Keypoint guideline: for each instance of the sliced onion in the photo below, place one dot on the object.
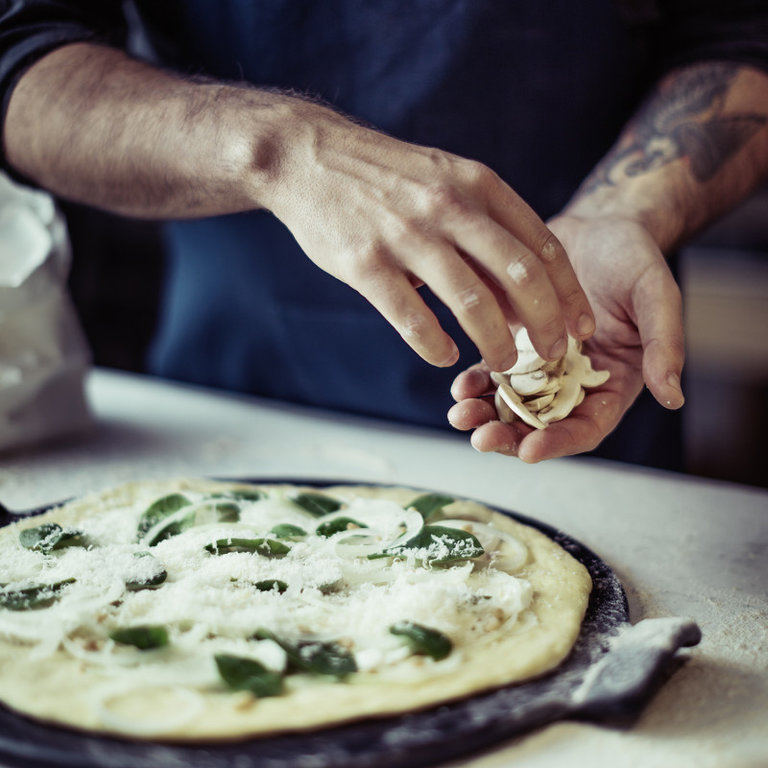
(190, 704)
(106, 657)
(360, 542)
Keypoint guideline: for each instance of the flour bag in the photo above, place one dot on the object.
(43, 353)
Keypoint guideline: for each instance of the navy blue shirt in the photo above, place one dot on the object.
(536, 90)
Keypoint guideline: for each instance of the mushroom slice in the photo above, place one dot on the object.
(549, 392)
(593, 378)
(514, 402)
(528, 359)
(564, 402)
(506, 414)
(537, 403)
(529, 383)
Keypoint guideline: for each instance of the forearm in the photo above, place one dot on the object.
(93, 125)
(696, 148)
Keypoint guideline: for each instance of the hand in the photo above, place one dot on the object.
(639, 338)
(387, 217)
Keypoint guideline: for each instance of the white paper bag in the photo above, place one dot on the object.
(43, 353)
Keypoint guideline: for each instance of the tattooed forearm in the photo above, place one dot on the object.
(684, 120)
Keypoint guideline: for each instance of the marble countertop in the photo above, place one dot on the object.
(681, 546)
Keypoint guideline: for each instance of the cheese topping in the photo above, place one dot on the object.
(222, 575)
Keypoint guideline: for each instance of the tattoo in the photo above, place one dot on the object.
(685, 120)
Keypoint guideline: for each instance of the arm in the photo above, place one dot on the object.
(92, 124)
(697, 147)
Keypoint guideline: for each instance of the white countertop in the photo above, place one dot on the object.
(681, 546)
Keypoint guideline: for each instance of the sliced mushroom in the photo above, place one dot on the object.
(540, 392)
(529, 383)
(512, 402)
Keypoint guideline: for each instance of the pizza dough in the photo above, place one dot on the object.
(142, 611)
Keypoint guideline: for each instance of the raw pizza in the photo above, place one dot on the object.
(200, 610)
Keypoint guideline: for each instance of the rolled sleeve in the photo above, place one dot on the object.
(29, 29)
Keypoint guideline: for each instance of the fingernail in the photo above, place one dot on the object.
(585, 325)
(558, 349)
(673, 381)
(451, 359)
(508, 362)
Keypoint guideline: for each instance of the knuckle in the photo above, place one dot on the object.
(571, 295)
(550, 249)
(477, 174)
(368, 260)
(550, 327)
(521, 272)
(676, 346)
(414, 328)
(443, 198)
(472, 298)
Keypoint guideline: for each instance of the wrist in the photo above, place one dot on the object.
(288, 137)
(663, 220)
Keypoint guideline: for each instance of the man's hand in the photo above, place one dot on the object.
(382, 215)
(639, 338)
(386, 217)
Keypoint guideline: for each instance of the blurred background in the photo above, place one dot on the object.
(117, 273)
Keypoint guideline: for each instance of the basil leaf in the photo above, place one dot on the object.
(158, 511)
(204, 514)
(429, 504)
(314, 657)
(144, 637)
(423, 640)
(151, 582)
(49, 536)
(337, 524)
(440, 545)
(34, 597)
(268, 585)
(241, 494)
(220, 512)
(248, 675)
(266, 547)
(317, 504)
(288, 531)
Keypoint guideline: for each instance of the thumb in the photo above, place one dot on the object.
(658, 309)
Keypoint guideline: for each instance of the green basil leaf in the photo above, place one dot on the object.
(314, 657)
(430, 504)
(158, 511)
(248, 675)
(34, 597)
(260, 546)
(423, 640)
(241, 494)
(337, 524)
(203, 514)
(440, 545)
(268, 585)
(220, 512)
(288, 531)
(151, 582)
(49, 536)
(317, 504)
(144, 637)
